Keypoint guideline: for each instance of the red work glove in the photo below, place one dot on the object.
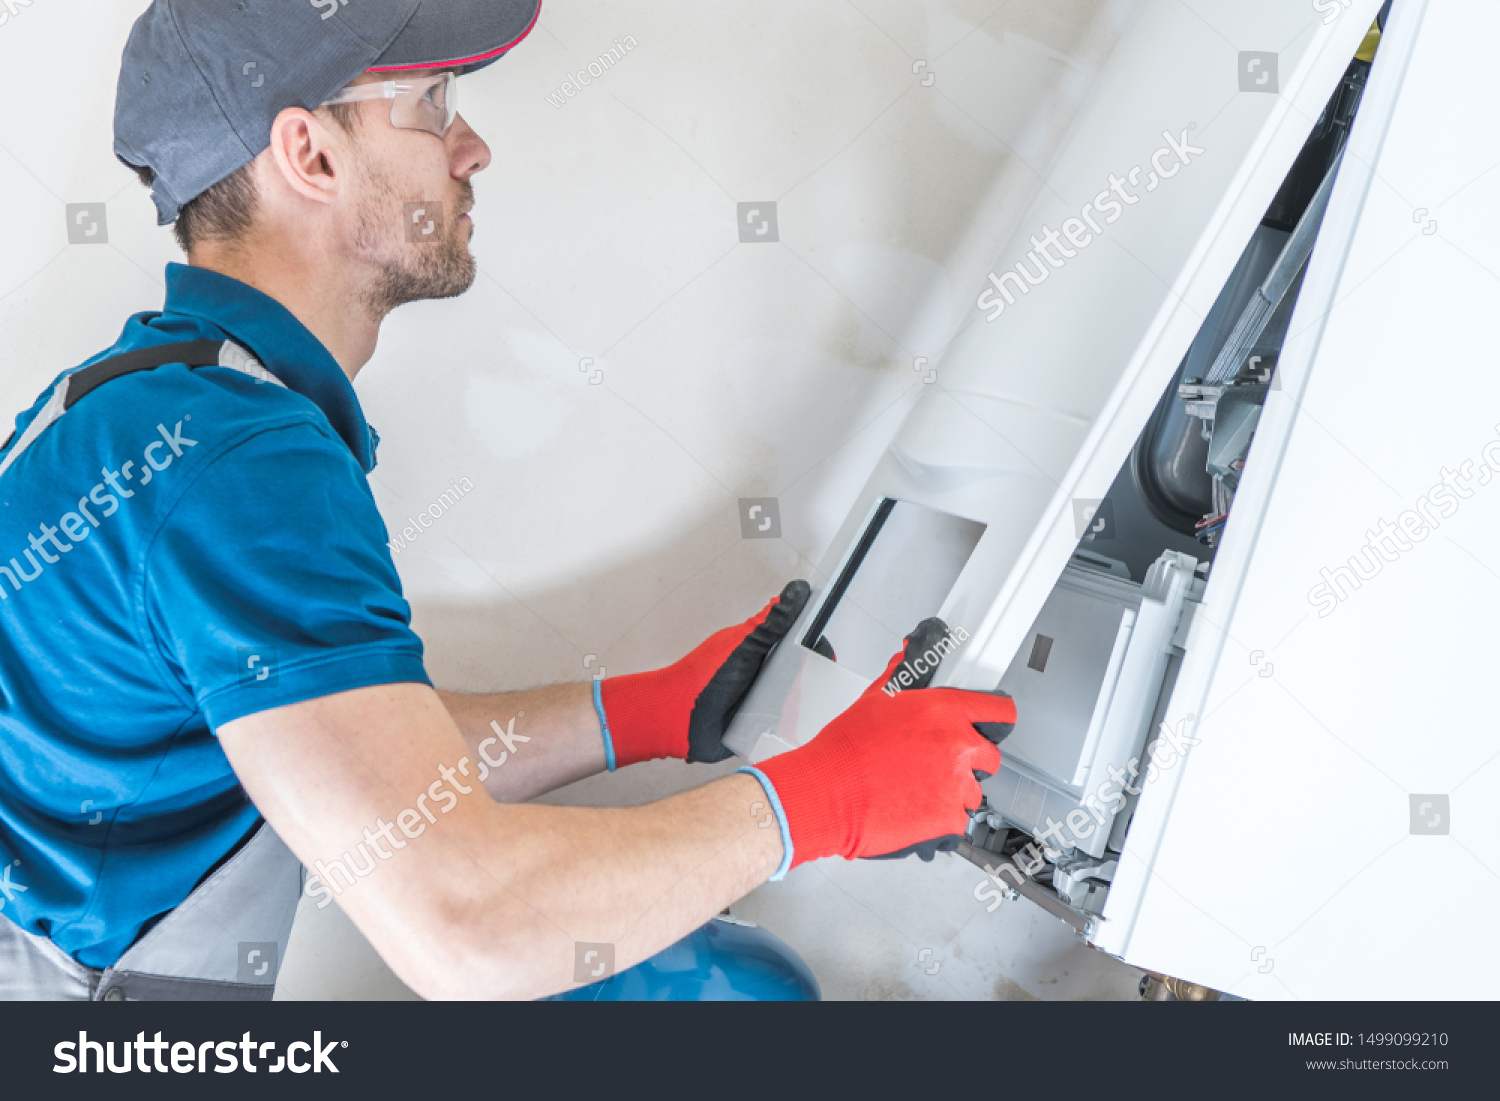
(894, 774)
(683, 710)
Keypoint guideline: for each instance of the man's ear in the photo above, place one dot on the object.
(306, 157)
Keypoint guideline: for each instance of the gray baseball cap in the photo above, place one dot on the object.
(202, 80)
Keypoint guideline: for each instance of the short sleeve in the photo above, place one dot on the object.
(270, 582)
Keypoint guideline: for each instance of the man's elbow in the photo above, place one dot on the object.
(475, 957)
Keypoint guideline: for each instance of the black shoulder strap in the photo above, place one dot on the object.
(195, 353)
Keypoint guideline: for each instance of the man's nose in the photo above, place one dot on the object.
(469, 152)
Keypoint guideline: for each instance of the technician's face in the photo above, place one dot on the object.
(395, 167)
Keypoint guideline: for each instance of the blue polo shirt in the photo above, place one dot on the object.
(181, 549)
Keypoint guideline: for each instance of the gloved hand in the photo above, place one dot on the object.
(683, 710)
(895, 773)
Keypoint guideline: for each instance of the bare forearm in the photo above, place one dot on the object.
(466, 896)
(543, 738)
(543, 880)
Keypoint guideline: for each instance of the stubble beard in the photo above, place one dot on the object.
(405, 270)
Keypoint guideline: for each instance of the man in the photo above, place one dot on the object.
(206, 657)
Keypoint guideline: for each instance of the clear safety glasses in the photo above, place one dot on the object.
(428, 103)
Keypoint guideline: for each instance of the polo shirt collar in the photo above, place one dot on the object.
(283, 345)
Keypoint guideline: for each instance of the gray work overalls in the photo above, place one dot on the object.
(198, 952)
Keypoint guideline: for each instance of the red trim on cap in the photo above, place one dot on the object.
(456, 62)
